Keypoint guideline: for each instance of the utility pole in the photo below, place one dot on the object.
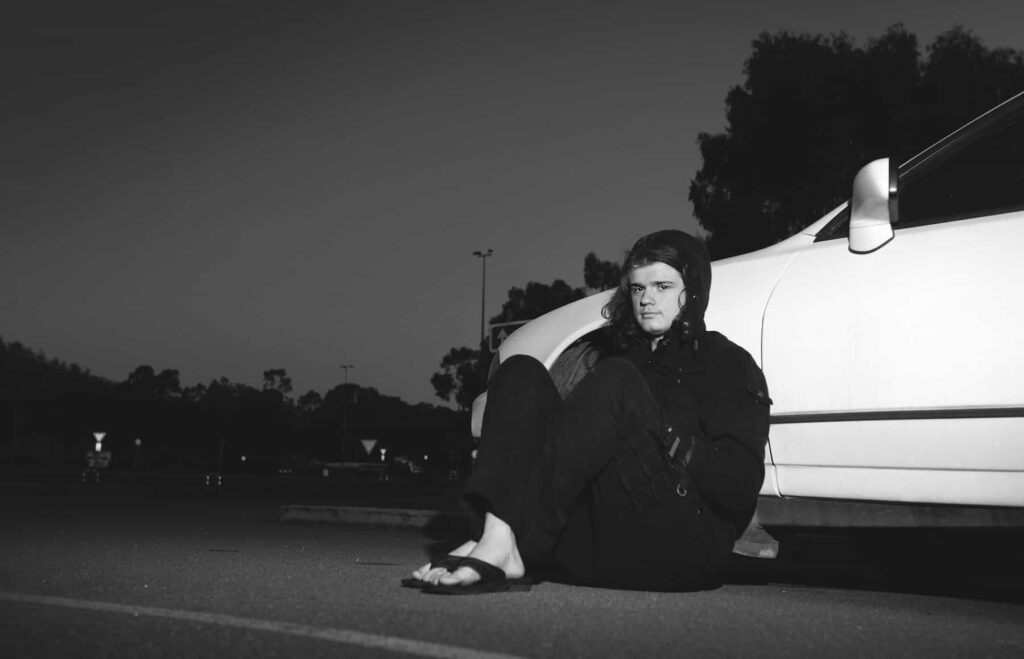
(483, 288)
(344, 411)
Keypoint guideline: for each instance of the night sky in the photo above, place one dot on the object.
(227, 187)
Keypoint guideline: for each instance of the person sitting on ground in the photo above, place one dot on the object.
(645, 474)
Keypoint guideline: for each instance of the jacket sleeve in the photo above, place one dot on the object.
(727, 464)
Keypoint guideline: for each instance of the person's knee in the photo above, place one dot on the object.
(518, 370)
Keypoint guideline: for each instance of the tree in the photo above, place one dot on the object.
(536, 300)
(144, 380)
(195, 393)
(276, 379)
(460, 377)
(310, 402)
(600, 275)
(813, 109)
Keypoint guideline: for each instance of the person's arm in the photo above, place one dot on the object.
(727, 465)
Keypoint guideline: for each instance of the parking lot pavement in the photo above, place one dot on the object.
(102, 573)
(432, 507)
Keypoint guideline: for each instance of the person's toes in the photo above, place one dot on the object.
(436, 577)
(463, 576)
(422, 571)
(430, 573)
(436, 574)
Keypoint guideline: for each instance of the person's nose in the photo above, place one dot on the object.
(645, 299)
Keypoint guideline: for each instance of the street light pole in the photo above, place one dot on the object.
(483, 288)
(344, 411)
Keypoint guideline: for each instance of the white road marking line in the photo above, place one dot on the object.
(393, 643)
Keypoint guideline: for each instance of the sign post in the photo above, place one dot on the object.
(96, 459)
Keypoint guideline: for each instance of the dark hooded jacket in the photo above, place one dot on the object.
(715, 407)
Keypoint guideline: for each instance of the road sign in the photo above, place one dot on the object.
(368, 445)
(98, 459)
(501, 331)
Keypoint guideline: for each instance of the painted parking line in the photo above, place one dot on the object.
(344, 636)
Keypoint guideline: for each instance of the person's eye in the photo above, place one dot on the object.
(636, 289)
(664, 287)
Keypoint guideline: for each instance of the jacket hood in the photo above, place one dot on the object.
(697, 278)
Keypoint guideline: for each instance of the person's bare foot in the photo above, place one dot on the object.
(430, 574)
(496, 546)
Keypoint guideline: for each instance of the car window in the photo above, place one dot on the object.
(983, 178)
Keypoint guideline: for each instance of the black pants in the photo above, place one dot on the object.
(583, 483)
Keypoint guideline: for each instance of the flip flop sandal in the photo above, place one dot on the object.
(492, 580)
(448, 562)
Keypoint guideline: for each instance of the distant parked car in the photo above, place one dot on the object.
(407, 463)
(891, 333)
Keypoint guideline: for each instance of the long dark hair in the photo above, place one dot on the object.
(689, 257)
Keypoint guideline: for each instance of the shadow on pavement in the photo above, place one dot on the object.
(981, 565)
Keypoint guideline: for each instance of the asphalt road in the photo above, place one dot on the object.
(91, 574)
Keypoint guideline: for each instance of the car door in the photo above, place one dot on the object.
(898, 375)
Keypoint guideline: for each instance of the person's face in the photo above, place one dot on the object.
(659, 294)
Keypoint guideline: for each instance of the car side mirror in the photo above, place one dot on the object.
(873, 207)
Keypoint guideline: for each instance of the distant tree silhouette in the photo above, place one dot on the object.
(536, 300)
(194, 393)
(49, 409)
(276, 379)
(165, 384)
(461, 378)
(309, 402)
(600, 275)
(813, 109)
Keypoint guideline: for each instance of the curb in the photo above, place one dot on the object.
(392, 517)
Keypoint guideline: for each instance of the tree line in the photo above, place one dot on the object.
(51, 409)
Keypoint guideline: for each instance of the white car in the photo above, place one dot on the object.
(891, 333)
